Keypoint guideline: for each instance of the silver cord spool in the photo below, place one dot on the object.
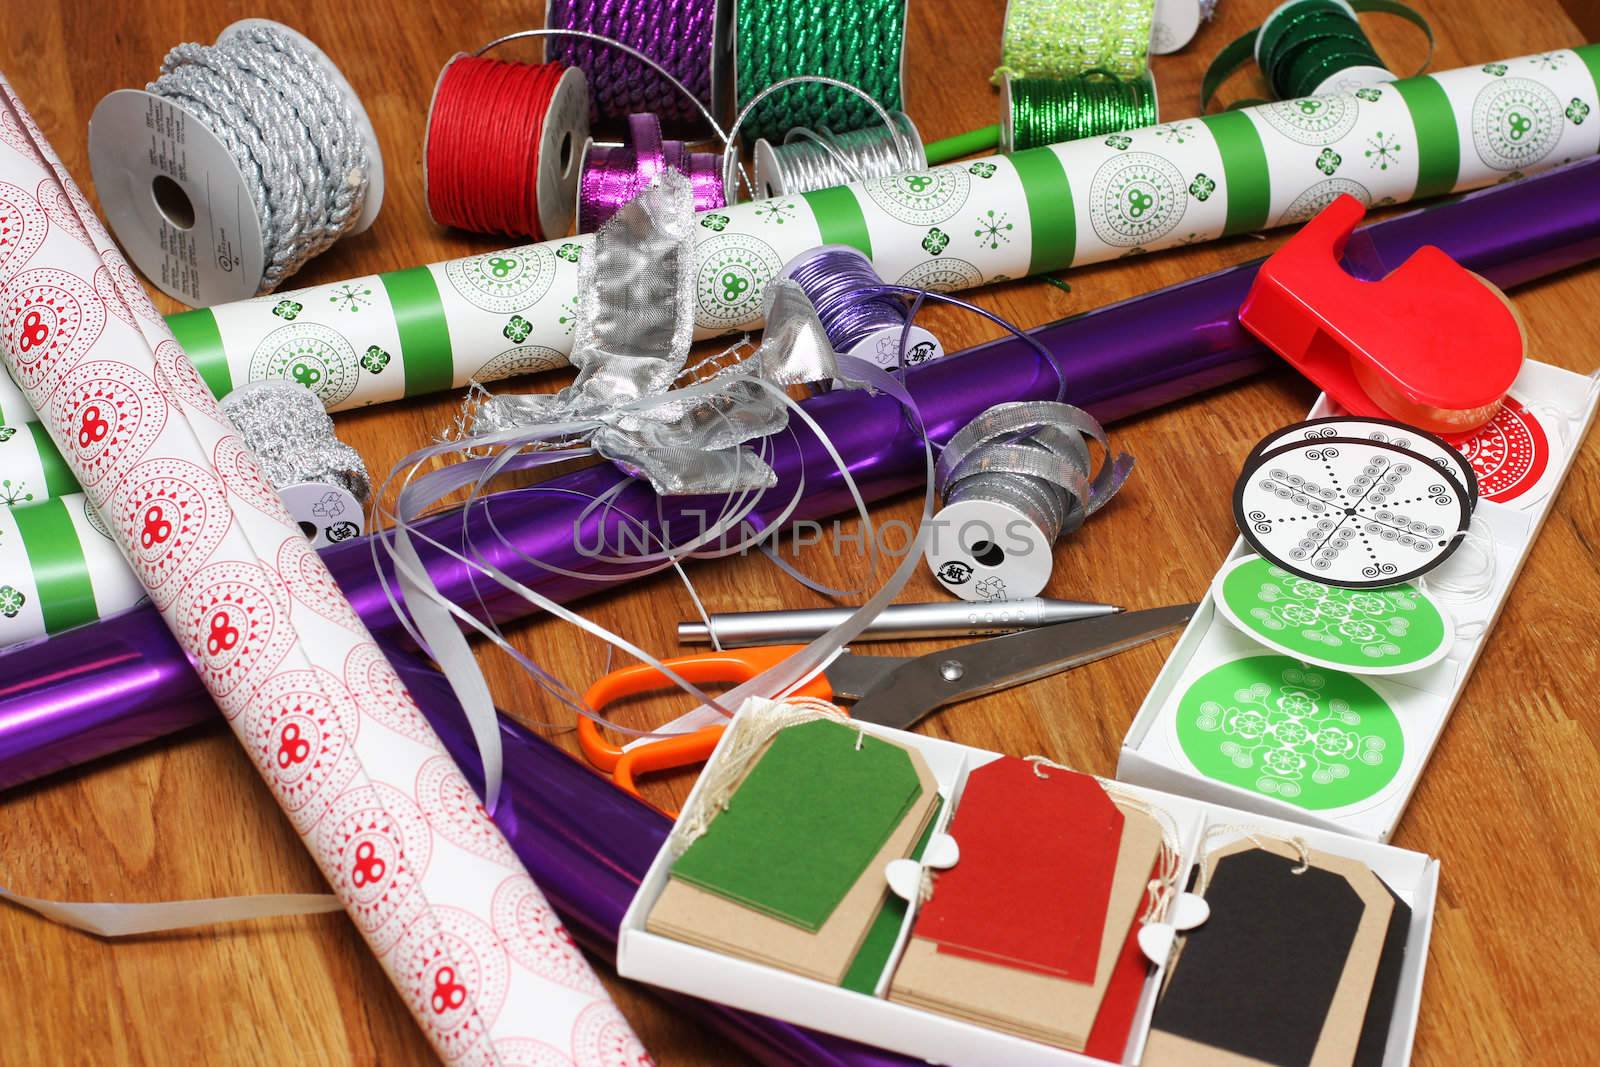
(808, 160)
(323, 481)
(1014, 481)
(240, 162)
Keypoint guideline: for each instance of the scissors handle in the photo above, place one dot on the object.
(732, 665)
(664, 755)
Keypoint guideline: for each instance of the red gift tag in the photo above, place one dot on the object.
(1038, 854)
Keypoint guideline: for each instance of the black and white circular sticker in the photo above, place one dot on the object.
(1388, 431)
(1351, 512)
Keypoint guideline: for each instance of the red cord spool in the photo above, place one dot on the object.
(501, 154)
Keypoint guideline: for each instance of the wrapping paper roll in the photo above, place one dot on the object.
(415, 331)
(463, 932)
(59, 568)
(1118, 361)
(31, 467)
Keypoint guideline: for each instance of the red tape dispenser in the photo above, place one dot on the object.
(1431, 344)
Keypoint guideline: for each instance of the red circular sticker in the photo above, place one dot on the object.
(52, 319)
(602, 1038)
(173, 516)
(1509, 455)
(537, 939)
(109, 414)
(22, 227)
(375, 850)
(456, 975)
(235, 625)
(456, 814)
(300, 727)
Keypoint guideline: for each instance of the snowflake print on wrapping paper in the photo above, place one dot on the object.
(775, 212)
(981, 170)
(1577, 111)
(1369, 94)
(936, 241)
(1175, 132)
(1119, 141)
(11, 601)
(1202, 187)
(993, 229)
(1329, 161)
(12, 495)
(569, 315)
(1336, 617)
(1382, 150)
(1292, 734)
(1550, 60)
(347, 296)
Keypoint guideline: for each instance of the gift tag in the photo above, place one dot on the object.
(1510, 455)
(805, 822)
(1038, 853)
(1354, 513)
(1364, 631)
(1385, 431)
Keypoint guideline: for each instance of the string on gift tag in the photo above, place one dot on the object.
(289, 125)
(1458, 581)
(1311, 48)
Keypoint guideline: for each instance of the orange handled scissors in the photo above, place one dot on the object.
(896, 691)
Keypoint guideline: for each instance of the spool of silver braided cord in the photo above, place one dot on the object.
(1014, 481)
(808, 160)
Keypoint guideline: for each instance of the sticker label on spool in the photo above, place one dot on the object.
(982, 551)
(327, 513)
(882, 347)
(175, 199)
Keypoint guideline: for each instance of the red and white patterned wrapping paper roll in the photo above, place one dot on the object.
(465, 935)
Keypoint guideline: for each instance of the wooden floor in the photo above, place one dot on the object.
(1508, 802)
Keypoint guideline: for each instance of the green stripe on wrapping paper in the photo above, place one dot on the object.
(840, 220)
(424, 335)
(58, 477)
(1247, 182)
(1590, 54)
(66, 596)
(1051, 218)
(1438, 142)
(197, 332)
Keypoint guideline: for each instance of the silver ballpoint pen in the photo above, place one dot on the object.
(953, 618)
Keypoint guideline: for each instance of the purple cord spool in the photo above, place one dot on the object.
(615, 174)
(870, 325)
(681, 35)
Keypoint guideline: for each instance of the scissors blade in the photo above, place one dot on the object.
(906, 694)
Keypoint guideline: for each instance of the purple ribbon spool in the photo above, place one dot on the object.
(615, 174)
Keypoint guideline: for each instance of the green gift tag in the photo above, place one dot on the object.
(1365, 631)
(804, 823)
(1316, 739)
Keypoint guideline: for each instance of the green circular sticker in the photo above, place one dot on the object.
(1312, 738)
(1366, 631)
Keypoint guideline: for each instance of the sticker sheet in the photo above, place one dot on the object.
(465, 936)
(380, 337)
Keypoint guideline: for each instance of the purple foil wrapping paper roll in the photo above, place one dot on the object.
(1119, 361)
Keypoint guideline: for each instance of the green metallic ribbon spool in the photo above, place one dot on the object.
(855, 41)
(1067, 38)
(1303, 43)
(1041, 111)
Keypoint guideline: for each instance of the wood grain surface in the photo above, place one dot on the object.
(1508, 801)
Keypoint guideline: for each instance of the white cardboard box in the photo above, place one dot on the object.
(1423, 700)
(941, 1040)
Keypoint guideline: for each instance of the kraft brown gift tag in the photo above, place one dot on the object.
(1023, 1001)
(1282, 973)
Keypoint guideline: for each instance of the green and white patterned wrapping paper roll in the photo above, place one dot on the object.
(58, 569)
(31, 467)
(492, 316)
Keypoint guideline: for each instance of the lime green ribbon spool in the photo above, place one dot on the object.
(854, 41)
(1304, 43)
(1067, 38)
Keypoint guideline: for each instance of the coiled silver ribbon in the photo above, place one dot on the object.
(286, 426)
